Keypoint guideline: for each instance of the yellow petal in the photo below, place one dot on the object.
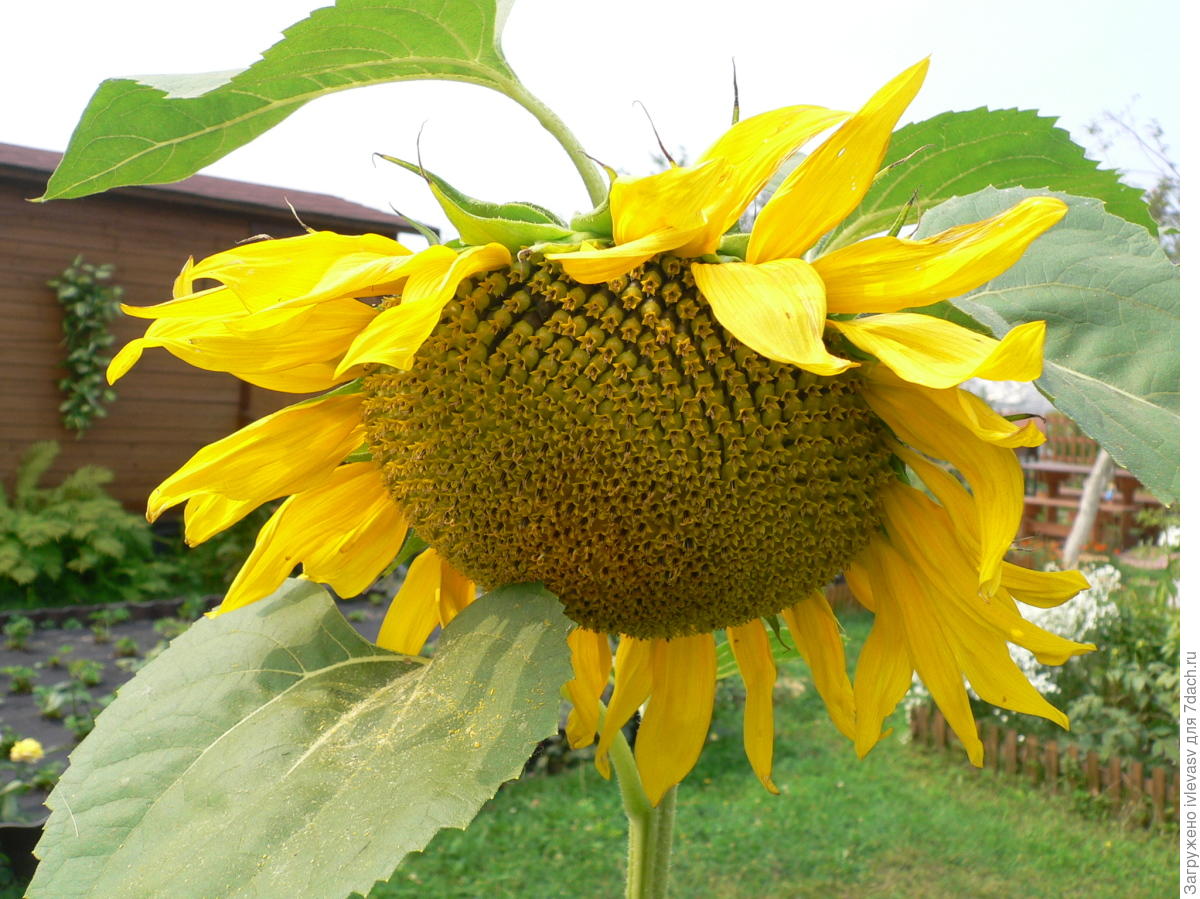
(678, 198)
(1045, 589)
(413, 612)
(675, 726)
(814, 627)
(832, 181)
(344, 532)
(285, 452)
(631, 686)
(394, 337)
(927, 537)
(591, 660)
(887, 274)
(311, 268)
(296, 347)
(595, 266)
(752, 650)
(884, 671)
(936, 353)
(456, 593)
(939, 425)
(978, 630)
(928, 647)
(754, 148)
(777, 309)
(207, 514)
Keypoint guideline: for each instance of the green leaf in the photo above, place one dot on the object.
(957, 153)
(514, 225)
(157, 129)
(274, 752)
(1110, 299)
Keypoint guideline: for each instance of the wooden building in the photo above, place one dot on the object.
(165, 410)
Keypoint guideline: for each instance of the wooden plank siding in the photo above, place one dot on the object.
(165, 409)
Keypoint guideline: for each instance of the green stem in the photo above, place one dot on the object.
(592, 179)
(650, 828)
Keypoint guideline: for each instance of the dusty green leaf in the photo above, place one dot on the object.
(162, 128)
(957, 153)
(1110, 298)
(274, 752)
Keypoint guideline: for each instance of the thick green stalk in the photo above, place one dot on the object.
(650, 828)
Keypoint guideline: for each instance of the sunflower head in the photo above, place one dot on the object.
(616, 443)
(678, 429)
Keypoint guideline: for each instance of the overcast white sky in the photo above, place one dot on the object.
(590, 61)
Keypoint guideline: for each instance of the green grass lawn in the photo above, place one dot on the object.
(903, 822)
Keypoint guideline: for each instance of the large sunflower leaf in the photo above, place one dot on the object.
(957, 153)
(162, 128)
(274, 752)
(1110, 299)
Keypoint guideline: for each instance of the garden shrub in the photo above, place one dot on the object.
(73, 543)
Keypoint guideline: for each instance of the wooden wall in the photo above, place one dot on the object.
(165, 410)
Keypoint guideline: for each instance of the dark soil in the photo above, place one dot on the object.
(20, 716)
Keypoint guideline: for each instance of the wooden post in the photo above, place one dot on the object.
(1052, 766)
(1091, 772)
(1114, 778)
(939, 729)
(1135, 781)
(921, 724)
(1158, 793)
(991, 746)
(1010, 751)
(1032, 761)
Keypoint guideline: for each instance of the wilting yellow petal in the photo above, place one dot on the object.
(929, 648)
(934, 422)
(754, 148)
(631, 686)
(299, 344)
(977, 629)
(814, 627)
(1044, 589)
(413, 612)
(884, 671)
(311, 268)
(832, 181)
(591, 660)
(777, 309)
(936, 353)
(887, 274)
(595, 266)
(394, 337)
(285, 452)
(343, 532)
(678, 199)
(675, 726)
(752, 650)
(207, 514)
(456, 593)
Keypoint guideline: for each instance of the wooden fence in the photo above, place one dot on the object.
(1127, 787)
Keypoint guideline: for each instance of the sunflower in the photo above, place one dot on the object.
(680, 431)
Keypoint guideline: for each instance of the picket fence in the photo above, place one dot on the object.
(1126, 787)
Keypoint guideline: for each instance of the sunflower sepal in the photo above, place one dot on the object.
(733, 246)
(514, 224)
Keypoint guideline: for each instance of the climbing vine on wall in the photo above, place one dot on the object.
(90, 301)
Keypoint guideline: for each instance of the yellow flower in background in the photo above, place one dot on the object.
(677, 437)
(28, 750)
